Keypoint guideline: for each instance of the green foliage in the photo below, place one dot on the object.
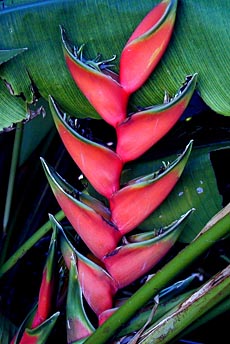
(34, 26)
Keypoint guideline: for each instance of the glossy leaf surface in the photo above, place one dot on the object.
(6, 55)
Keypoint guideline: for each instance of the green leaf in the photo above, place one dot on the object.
(200, 42)
(6, 55)
(12, 109)
(139, 320)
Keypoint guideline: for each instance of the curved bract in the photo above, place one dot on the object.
(104, 92)
(99, 234)
(105, 176)
(150, 40)
(133, 203)
(131, 261)
(151, 124)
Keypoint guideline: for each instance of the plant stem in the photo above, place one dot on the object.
(13, 168)
(28, 244)
(10, 189)
(218, 227)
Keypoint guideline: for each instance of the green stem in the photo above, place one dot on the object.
(220, 227)
(10, 189)
(13, 169)
(28, 244)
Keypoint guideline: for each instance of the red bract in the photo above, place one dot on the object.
(39, 323)
(151, 124)
(106, 314)
(101, 89)
(129, 262)
(146, 45)
(99, 298)
(105, 176)
(132, 204)
(100, 235)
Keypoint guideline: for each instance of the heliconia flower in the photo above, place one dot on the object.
(146, 45)
(151, 124)
(78, 323)
(129, 262)
(105, 176)
(100, 297)
(99, 234)
(135, 202)
(46, 293)
(101, 88)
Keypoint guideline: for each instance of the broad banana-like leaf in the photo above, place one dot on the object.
(191, 309)
(168, 298)
(12, 109)
(6, 55)
(200, 43)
